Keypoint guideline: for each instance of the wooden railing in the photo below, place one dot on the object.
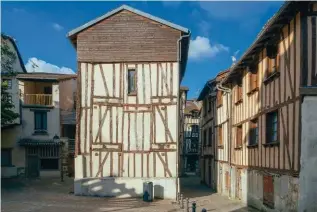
(38, 99)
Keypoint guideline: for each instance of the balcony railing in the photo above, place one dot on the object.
(38, 99)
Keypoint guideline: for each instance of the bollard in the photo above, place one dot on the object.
(203, 210)
(194, 207)
(182, 202)
(187, 204)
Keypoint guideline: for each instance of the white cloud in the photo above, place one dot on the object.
(57, 27)
(204, 27)
(36, 65)
(201, 48)
(234, 56)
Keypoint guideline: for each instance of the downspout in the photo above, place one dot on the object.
(179, 51)
(229, 95)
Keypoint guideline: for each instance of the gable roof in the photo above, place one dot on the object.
(44, 76)
(128, 8)
(6, 37)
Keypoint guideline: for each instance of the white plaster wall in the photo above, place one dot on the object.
(308, 174)
(125, 187)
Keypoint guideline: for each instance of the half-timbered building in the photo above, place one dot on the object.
(130, 65)
(214, 134)
(190, 150)
(266, 108)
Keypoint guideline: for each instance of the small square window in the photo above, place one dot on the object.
(40, 120)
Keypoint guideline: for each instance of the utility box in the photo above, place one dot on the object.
(147, 191)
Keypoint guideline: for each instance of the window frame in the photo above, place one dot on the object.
(253, 136)
(134, 91)
(9, 150)
(210, 136)
(43, 129)
(271, 127)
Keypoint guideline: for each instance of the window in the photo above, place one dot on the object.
(253, 132)
(49, 164)
(220, 141)
(239, 136)
(273, 59)
(254, 79)
(271, 127)
(195, 114)
(6, 157)
(195, 130)
(8, 82)
(131, 81)
(40, 122)
(219, 98)
(210, 136)
(239, 92)
(209, 103)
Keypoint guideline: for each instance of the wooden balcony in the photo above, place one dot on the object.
(38, 99)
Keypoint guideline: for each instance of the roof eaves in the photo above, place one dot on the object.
(266, 26)
(125, 7)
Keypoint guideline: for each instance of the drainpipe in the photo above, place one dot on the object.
(179, 51)
(229, 96)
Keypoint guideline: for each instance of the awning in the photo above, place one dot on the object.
(38, 142)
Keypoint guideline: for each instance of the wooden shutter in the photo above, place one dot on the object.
(239, 136)
(219, 98)
(220, 143)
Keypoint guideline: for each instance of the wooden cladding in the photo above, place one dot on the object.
(127, 37)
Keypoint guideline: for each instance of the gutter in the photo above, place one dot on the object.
(179, 58)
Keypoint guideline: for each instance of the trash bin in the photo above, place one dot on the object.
(147, 191)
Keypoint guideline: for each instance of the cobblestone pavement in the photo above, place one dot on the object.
(51, 195)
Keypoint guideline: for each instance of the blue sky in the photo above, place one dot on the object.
(219, 31)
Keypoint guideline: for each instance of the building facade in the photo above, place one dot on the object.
(191, 137)
(128, 103)
(43, 98)
(12, 156)
(264, 112)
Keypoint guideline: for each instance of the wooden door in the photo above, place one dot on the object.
(238, 185)
(33, 166)
(268, 191)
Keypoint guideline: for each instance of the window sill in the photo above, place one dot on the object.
(238, 148)
(40, 132)
(271, 77)
(132, 94)
(238, 102)
(253, 91)
(220, 146)
(271, 144)
(250, 146)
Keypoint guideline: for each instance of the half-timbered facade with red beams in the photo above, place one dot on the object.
(266, 108)
(130, 65)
